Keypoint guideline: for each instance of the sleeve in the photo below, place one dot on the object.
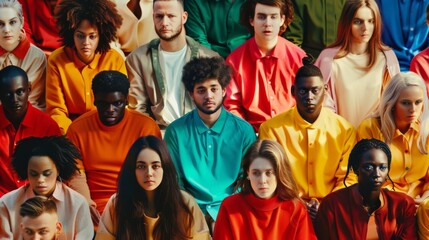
(170, 138)
(303, 224)
(106, 228)
(340, 174)
(295, 31)
(265, 133)
(5, 220)
(55, 102)
(36, 75)
(195, 26)
(222, 228)
(324, 224)
(365, 131)
(84, 226)
(78, 181)
(200, 230)
(137, 98)
(407, 229)
(233, 100)
(324, 62)
(422, 220)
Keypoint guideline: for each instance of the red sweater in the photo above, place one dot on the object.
(248, 217)
(341, 216)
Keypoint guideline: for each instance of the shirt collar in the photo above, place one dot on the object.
(414, 128)
(21, 50)
(58, 193)
(303, 124)
(277, 52)
(27, 121)
(71, 52)
(217, 127)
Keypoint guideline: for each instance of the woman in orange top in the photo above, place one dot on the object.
(86, 27)
(268, 206)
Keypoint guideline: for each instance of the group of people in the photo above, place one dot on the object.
(115, 124)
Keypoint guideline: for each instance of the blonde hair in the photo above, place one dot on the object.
(388, 100)
(14, 4)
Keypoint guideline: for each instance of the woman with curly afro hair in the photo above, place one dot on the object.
(44, 163)
(86, 28)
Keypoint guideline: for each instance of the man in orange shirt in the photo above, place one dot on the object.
(104, 137)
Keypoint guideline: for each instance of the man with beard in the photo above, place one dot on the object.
(208, 143)
(317, 141)
(104, 136)
(155, 69)
(18, 120)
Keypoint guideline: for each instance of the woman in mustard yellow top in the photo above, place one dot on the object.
(402, 123)
(149, 203)
(87, 28)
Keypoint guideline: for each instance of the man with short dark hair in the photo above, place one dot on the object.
(104, 137)
(208, 143)
(18, 120)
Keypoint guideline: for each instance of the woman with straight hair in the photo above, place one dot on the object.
(268, 205)
(357, 65)
(149, 203)
(45, 162)
(365, 210)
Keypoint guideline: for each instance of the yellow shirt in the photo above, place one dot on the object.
(409, 169)
(318, 152)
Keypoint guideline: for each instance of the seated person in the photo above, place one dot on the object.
(104, 136)
(16, 49)
(208, 143)
(39, 219)
(316, 140)
(365, 210)
(216, 24)
(268, 204)
(86, 36)
(264, 66)
(149, 203)
(18, 120)
(45, 163)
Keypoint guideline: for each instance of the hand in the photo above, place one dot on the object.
(95, 215)
(312, 208)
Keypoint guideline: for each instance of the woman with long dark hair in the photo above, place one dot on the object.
(149, 203)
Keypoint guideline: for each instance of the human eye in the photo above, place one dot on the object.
(201, 90)
(118, 103)
(43, 232)
(47, 173)
(405, 102)
(383, 168)
(156, 166)
(420, 101)
(357, 21)
(261, 17)
(33, 174)
(215, 89)
(368, 167)
(20, 91)
(269, 173)
(315, 90)
(302, 91)
(1, 24)
(139, 166)
(256, 173)
(80, 36)
(29, 232)
(93, 36)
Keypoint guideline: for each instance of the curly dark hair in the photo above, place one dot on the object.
(58, 148)
(360, 149)
(200, 69)
(110, 81)
(100, 13)
(308, 69)
(247, 12)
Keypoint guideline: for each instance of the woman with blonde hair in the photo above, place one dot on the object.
(268, 205)
(16, 50)
(357, 65)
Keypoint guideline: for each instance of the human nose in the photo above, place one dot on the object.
(263, 179)
(149, 171)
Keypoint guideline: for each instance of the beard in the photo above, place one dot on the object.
(174, 35)
(206, 111)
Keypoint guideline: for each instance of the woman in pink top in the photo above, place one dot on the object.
(44, 163)
(16, 49)
(357, 65)
(268, 206)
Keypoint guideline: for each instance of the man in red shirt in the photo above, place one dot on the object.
(18, 120)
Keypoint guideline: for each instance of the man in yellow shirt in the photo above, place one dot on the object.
(316, 140)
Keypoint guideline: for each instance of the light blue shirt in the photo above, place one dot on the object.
(208, 160)
(404, 28)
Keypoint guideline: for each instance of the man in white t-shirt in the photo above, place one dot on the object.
(155, 69)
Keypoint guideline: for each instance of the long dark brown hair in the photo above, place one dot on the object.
(175, 217)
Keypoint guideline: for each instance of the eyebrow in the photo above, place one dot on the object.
(140, 161)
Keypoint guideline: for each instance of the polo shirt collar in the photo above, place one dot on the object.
(79, 64)
(217, 127)
(277, 52)
(21, 50)
(27, 121)
(303, 124)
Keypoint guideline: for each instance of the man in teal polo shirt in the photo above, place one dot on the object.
(208, 143)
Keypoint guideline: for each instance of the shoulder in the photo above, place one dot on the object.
(398, 197)
(57, 55)
(328, 53)
(36, 52)
(338, 120)
(369, 123)
(10, 199)
(336, 198)
(84, 119)
(184, 122)
(280, 120)
(140, 52)
(237, 121)
(76, 198)
(233, 201)
(140, 117)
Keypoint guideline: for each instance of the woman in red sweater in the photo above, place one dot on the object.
(365, 210)
(268, 206)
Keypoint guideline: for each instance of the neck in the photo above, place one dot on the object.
(403, 128)
(210, 119)
(371, 199)
(174, 45)
(266, 46)
(358, 48)
(150, 209)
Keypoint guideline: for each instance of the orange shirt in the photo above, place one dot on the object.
(68, 83)
(103, 150)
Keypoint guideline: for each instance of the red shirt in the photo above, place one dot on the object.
(35, 124)
(39, 24)
(260, 88)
